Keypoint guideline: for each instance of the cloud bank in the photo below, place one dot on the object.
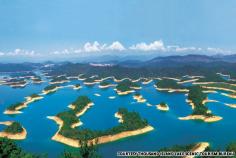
(95, 47)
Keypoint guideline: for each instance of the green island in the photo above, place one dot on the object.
(131, 121)
(37, 80)
(163, 106)
(34, 95)
(14, 128)
(211, 77)
(77, 86)
(170, 85)
(60, 79)
(104, 83)
(90, 81)
(126, 86)
(196, 98)
(221, 86)
(50, 89)
(13, 107)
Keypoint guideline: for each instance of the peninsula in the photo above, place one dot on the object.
(14, 130)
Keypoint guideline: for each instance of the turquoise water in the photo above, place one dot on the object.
(168, 129)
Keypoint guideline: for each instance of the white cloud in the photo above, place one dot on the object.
(116, 46)
(156, 45)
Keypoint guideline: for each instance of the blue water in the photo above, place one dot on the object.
(168, 129)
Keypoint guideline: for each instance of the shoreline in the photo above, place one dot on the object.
(160, 107)
(17, 136)
(59, 82)
(45, 92)
(201, 117)
(100, 140)
(107, 86)
(139, 99)
(170, 90)
(24, 105)
(125, 92)
(199, 147)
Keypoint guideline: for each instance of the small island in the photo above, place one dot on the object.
(170, 85)
(59, 80)
(37, 80)
(163, 106)
(50, 89)
(77, 86)
(32, 98)
(131, 124)
(90, 81)
(126, 87)
(200, 112)
(14, 130)
(105, 84)
(139, 98)
(15, 108)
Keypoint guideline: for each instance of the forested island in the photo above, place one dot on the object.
(196, 98)
(163, 106)
(77, 86)
(59, 80)
(170, 85)
(126, 87)
(14, 130)
(131, 124)
(50, 89)
(106, 84)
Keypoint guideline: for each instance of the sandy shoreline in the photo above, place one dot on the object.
(162, 108)
(139, 98)
(100, 140)
(24, 105)
(107, 86)
(199, 147)
(59, 82)
(16, 136)
(171, 90)
(44, 92)
(125, 92)
(201, 117)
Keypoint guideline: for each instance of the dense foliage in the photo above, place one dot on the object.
(50, 87)
(13, 107)
(58, 79)
(168, 83)
(197, 96)
(14, 128)
(126, 85)
(9, 149)
(34, 95)
(131, 121)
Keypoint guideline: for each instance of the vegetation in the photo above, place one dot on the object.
(126, 85)
(80, 103)
(50, 87)
(34, 95)
(14, 128)
(197, 96)
(104, 83)
(85, 151)
(222, 85)
(58, 79)
(163, 104)
(168, 83)
(9, 149)
(131, 121)
(212, 77)
(13, 107)
(77, 85)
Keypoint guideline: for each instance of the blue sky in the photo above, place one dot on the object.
(53, 27)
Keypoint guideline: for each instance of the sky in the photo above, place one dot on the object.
(53, 29)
